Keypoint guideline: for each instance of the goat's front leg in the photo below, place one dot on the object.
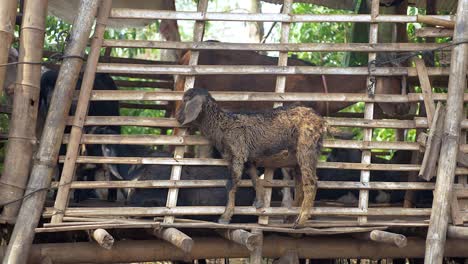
(258, 186)
(236, 168)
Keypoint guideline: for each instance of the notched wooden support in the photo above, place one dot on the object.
(247, 239)
(103, 238)
(290, 257)
(175, 237)
(434, 140)
(384, 237)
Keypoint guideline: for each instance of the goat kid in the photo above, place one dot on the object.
(249, 137)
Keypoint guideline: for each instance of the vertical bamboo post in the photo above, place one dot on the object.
(436, 235)
(256, 254)
(280, 88)
(368, 114)
(30, 212)
(198, 32)
(63, 193)
(7, 30)
(22, 134)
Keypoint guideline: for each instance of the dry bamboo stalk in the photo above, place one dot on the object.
(428, 32)
(284, 47)
(242, 237)
(435, 21)
(63, 193)
(143, 69)
(436, 235)
(290, 257)
(241, 210)
(103, 238)
(198, 33)
(258, 17)
(457, 232)
(257, 252)
(384, 237)
(431, 154)
(7, 30)
(91, 226)
(175, 237)
(213, 247)
(368, 114)
(28, 218)
(22, 135)
(266, 96)
(426, 89)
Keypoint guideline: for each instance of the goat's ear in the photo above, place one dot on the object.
(193, 108)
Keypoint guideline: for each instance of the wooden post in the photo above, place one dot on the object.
(103, 238)
(247, 239)
(436, 234)
(384, 237)
(256, 254)
(61, 201)
(175, 237)
(30, 212)
(7, 30)
(22, 135)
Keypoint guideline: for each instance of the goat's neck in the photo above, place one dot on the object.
(213, 123)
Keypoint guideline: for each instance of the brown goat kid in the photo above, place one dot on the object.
(247, 137)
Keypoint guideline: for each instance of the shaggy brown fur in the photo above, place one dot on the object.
(241, 138)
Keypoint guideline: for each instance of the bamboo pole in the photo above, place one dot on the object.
(22, 133)
(257, 253)
(126, 251)
(103, 238)
(435, 21)
(175, 237)
(68, 171)
(249, 240)
(436, 235)
(28, 218)
(7, 30)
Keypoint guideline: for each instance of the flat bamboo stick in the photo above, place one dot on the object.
(7, 30)
(257, 253)
(198, 33)
(431, 154)
(28, 218)
(283, 47)
(426, 89)
(457, 232)
(142, 69)
(103, 238)
(435, 21)
(68, 171)
(175, 237)
(384, 237)
(268, 17)
(213, 247)
(436, 235)
(22, 135)
(242, 210)
(250, 240)
(433, 32)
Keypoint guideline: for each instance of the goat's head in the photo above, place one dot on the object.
(192, 105)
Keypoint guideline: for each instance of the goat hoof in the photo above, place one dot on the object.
(223, 221)
(258, 203)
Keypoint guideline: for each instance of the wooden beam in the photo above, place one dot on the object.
(249, 240)
(47, 154)
(384, 237)
(458, 232)
(436, 235)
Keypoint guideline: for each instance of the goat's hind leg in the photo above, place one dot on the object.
(236, 168)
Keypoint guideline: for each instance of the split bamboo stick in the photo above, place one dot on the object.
(22, 134)
(7, 30)
(28, 218)
(68, 171)
(436, 236)
(103, 238)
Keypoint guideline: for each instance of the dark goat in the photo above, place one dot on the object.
(245, 137)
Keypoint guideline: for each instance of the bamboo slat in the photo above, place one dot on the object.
(427, 32)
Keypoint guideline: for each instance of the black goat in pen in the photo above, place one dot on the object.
(245, 137)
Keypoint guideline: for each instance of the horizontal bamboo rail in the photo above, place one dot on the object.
(418, 122)
(116, 68)
(109, 95)
(239, 210)
(299, 47)
(122, 13)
